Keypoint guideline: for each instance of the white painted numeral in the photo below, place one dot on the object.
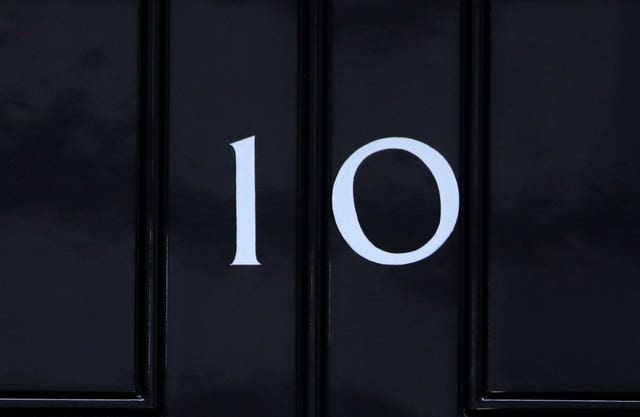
(344, 209)
(245, 202)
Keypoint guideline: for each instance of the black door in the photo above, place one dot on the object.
(314, 208)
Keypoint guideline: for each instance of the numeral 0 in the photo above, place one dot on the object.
(344, 210)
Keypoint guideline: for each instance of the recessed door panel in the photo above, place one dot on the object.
(69, 131)
(393, 329)
(232, 328)
(562, 227)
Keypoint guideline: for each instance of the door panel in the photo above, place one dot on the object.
(393, 329)
(232, 328)
(564, 198)
(68, 141)
(561, 232)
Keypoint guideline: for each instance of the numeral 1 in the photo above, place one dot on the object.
(245, 202)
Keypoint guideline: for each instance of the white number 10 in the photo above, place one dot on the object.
(344, 210)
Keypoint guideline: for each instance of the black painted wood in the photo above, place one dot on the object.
(118, 213)
(81, 295)
(232, 329)
(395, 71)
(553, 266)
(314, 190)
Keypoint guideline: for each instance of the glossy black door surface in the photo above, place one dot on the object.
(212, 208)
(68, 144)
(562, 228)
(232, 328)
(393, 330)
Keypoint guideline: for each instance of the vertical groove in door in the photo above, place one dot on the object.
(474, 153)
(152, 228)
(157, 198)
(313, 191)
(152, 204)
